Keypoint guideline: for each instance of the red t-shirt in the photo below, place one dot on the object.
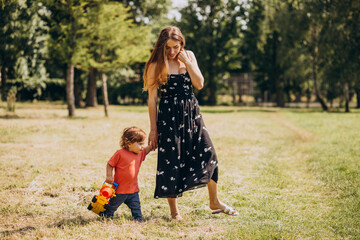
(127, 165)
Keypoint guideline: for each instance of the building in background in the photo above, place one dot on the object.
(242, 88)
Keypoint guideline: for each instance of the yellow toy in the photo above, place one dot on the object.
(99, 202)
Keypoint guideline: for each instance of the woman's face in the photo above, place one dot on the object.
(172, 48)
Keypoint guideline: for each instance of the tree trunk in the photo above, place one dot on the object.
(266, 96)
(232, 83)
(308, 95)
(79, 103)
(70, 100)
(239, 91)
(341, 101)
(212, 97)
(212, 90)
(279, 92)
(317, 93)
(347, 97)
(105, 93)
(240, 98)
(91, 99)
(3, 83)
(314, 54)
(358, 97)
(279, 97)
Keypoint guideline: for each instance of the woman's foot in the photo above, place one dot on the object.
(219, 207)
(176, 217)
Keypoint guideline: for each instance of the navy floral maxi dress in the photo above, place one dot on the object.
(186, 155)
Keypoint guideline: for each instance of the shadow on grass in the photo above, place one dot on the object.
(320, 110)
(81, 221)
(9, 116)
(156, 217)
(76, 118)
(21, 231)
(78, 221)
(257, 110)
(14, 116)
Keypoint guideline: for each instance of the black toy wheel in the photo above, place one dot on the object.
(94, 199)
(90, 207)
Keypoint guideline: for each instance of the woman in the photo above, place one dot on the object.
(186, 155)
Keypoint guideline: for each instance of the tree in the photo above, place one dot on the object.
(110, 40)
(282, 67)
(340, 46)
(11, 41)
(63, 21)
(30, 68)
(313, 41)
(249, 48)
(211, 29)
(22, 54)
(152, 13)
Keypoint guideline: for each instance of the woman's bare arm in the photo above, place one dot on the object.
(152, 105)
(188, 58)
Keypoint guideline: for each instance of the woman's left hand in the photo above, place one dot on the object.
(184, 57)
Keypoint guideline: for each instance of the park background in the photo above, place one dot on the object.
(281, 102)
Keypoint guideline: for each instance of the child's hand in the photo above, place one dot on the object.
(109, 179)
(148, 149)
(109, 174)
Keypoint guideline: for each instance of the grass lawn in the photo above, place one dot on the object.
(290, 173)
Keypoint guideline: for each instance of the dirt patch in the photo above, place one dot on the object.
(300, 133)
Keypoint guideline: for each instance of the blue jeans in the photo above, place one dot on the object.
(131, 200)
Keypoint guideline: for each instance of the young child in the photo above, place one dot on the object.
(126, 163)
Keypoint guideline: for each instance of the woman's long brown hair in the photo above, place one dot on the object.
(159, 57)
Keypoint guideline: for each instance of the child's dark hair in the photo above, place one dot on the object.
(131, 135)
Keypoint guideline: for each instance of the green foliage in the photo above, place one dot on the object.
(109, 39)
(275, 40)
(340, 46)
(250, 44)
(283, 64)
(125, 87)
(148, 11)
(62, 17)
(25, 41)
(212, 30)
(299, 40)
(12, 39)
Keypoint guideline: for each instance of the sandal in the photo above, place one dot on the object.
(228, 210)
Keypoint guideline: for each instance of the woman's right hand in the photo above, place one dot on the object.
(153, 139)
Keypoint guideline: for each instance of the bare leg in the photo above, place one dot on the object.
(213, 196)
(174, 209)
